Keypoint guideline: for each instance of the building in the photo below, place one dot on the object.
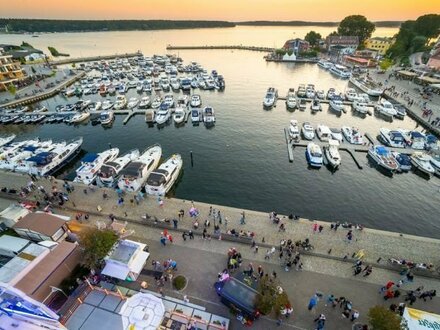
(41, 226)
(36, 268)
(434, 60)
(11, 215)
(379, 44)
(297, 46)
(19, 311)
(342, 44)
(27, 55)
(10, 71)
(126, 260)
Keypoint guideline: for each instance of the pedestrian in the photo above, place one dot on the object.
(163, 240)
(320, 228)
(104, 195)
(161, 202)
(86, 216)
(219, 217)
(175, 223)
(331, 300)
(184, 234)
(256, 249)
(387, 286)
(185, 299)
(349, 236)
(210, 210)
(320, 322)
(354, 316)
(243, 218)
(190, 234)
(315, 227)
(313, 302)
(268, 254)
(357, 270)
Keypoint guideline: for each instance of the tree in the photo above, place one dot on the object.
(381, 318)
(428, 26)
(96, 244)
(12, 89)
(356, 25)
(313, 38)
(271, 297)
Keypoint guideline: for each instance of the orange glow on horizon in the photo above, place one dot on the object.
(229, 10)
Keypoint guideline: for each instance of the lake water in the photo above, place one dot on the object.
(242, 161)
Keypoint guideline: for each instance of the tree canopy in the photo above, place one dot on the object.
(96, 244)
(381, 318)
(356, 25)
(313, 38)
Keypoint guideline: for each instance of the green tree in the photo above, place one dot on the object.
(271, 297)
(96, 244)
(381, 318)
(428, 25)
(12, 89)
(356, 25)
(313, 38)
(280, 51)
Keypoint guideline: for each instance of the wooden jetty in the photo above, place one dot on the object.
(289, 146)
(232, 47)
(133, 113)
(94, 58)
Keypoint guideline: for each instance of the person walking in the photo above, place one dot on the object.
(312, 302)
(320, 322)
(354, 316)
(243, 218)
(163, 240)
(175, 223)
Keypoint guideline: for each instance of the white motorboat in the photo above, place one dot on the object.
(418, 140)
(156, 103)
(41, 108)
(435, 160)
(336, 134)
(179, 115)
(403, 160)
(302, 104)
(364, 97)
(46, 163)
(106, 117)
(196, 101)
(331, 152)
(310, 92)
(294, 130)
(196, 116)
(350, 94)
(270, 98)
(336, 104)
(132, 103)
(325, 64)
(360, 106)
(183, 101)
(314, 155)
(352, 135)
(107, 105)
(145, 103)
(7, 139)
(386, 108)
(91, 163)
(163, 114)
(169, 100)
(307, 131)
(340, 71)
(323, 133)
(95, 106)
(383, 157)
(160, 181)
(320, 94)
(121, 102)
(208, 115)
(392, 138)
(175, 85)
(291, 99)
(150, 116)
(80, 117)
(109, 172)
(135, 174)
(301, 91)
(422, 162)
(367, 85)
(316, 105)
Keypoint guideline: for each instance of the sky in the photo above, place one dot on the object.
(229, 10)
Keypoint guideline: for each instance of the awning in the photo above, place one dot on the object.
(407, 73)
(429, 80)
(416, 319)
(115, 270)
(139, 262)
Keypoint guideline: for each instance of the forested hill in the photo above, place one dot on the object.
(48, 25)
(305, 23)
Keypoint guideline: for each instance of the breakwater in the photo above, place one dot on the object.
(232, 47)
(94, 58)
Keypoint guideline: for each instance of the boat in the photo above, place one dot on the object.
(331, 153)
(7, 139)
(169, 100)
(291, 99)
(323, 133)
(383, 157)
(91, 163)
(270, 98)
(150, 116)
(435, 160)
(350, 94)
(196, 101)
(336, 104)
(161, 180)
(95, 106)
(314, 155)
(367, 85)
(108, 174)
(80, 117)
(47, 163)
(185, 84)
(182, 101)
(422, 162)
(294, 130)
(107, 105)
(310, 92)
(156, 103)
(106, 117)
(352, 135)
(132, 103)
(336, 134)
(307, 131)
(195, 116)
(417, 140)
(121, 102)
(364, 97)
(385, 108)
(301, 91)
(175, 85)
(400, 111)
(220, 82)
(179, 115)
(144, 103)
(340, 71)
(41, 108)
(392, 138)
(403, 160)
(360, 106)
(208, 115)
(302, 104)
(331, 93)
(315, 105)
(135, 174)
(320, 94)
(139, 88)
(163, 114)
(325, 64)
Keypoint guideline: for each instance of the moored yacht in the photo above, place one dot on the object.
(350, 94)
(196, 101)
(7, 139)
(386, 108)
(325, 64)
(352, 135)
(270, 98)
(163, 114)
(422, 162)
(109, 172)
(340, 71)
(336, 104)
(323, 133)
(106, 117)
(315, 105)
(383, 157)
(314, 155)
(91, 163)
(107, 105)
(195, 116)
(403, 160)
(331, 152)
(121, 102)
(307, 131)
(208, 115)
(435, 160)
(134, 175)
(80, 117)
(179, 115)
(336, 134)
(160, 181)
(291, 99)
(360, 106)
(132, 103)
(156, 103)
(145, 102)
(294, 130)
(392, 138)
(367, 85)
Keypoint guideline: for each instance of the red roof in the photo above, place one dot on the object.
(357, 59)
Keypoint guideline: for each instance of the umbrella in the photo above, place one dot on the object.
(142, 311)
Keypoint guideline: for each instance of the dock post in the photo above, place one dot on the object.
(192, 161)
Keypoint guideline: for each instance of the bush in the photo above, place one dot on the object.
(381, 318)
(385, 63)
(179, 282)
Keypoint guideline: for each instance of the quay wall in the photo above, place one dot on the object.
(234, 47)
(94, 58)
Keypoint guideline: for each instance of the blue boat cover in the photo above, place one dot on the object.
(396, 135)
(42, 158)
(431, 139)
(403, 159)
(415, 134)
(89, 158)
(381, 150)
(30, 148)
(164, 106)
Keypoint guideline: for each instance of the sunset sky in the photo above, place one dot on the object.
(231, 10)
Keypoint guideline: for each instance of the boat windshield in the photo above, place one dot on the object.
(156, 179)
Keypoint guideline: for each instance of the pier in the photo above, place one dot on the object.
(289, 145)
(232, 47)
(94, 58)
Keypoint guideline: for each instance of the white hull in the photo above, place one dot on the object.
(365, 88)
(332, 155)
(87, 172)
(175, 162)
(119, 164)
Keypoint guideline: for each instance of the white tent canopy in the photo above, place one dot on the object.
(414, 319)
(115, 270)
(143, 311)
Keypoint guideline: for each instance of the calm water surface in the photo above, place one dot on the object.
(242, 161)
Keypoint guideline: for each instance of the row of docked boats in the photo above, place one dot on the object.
(403, 138)
(38, 157)
(314, 154)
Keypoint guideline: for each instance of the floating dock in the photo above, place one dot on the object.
(289, 146)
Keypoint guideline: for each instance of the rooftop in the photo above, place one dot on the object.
(44, 223)
(124, 250)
